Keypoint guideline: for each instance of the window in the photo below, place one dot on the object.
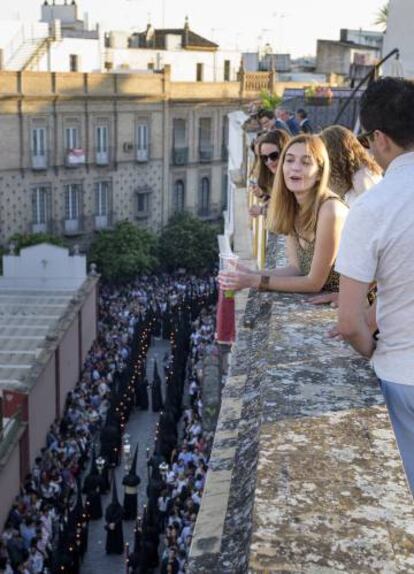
(102, 154)
(71, 138)
(39, 141)
(179, 139)
(179, 196)
(102, 139)
(142, 142)
(200, 72)
(204, 204)
(102, 198)
(72, 193)
(40, 206)
(39, 148)
(225, 139)
(180, 150)
(204, 135)
(73, 63)
(143, 203)
(226, 70)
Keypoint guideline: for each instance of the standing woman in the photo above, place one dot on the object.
(303, 208)
(353, 170)
(269, 148)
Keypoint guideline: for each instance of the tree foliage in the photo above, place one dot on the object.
(121, 254)
(382, 16)
(190, 243)
(22, 240)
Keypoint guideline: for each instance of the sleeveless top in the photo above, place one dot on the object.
(305, 256)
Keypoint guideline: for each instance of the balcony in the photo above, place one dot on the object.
(39, 162)
(40, 228)
(142, 155)
(180, 156)
(102, 157)
(73, 226)
(103, 221)
(304, 471)
(75, 157)
(205, 153)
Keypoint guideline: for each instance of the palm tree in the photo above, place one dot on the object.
(382, 16)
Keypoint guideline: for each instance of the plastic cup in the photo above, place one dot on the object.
(228, 262)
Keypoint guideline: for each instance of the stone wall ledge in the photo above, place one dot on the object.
(305, 475)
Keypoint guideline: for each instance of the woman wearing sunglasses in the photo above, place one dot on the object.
(303, 208)
(269, 149)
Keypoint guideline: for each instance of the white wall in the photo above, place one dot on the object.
(183, 63)
(58, 59)
(399, 35)
(47, 263)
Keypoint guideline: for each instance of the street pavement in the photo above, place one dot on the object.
(141, 428)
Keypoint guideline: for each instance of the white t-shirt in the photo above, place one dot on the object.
(378, 244)
(362, 180)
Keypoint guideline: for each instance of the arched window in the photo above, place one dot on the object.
(204, 203)
(179, 196)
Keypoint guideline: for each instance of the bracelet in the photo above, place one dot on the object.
(264, 283)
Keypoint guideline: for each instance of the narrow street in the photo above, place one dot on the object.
(141, 428)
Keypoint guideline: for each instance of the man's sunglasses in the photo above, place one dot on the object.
(271, 156)
(364, 137)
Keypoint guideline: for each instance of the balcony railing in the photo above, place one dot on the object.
(39, 162)
(75, 157)
(40, 228)
(102, 157)
(205, 153)
(75, 226)
(142, 155)
(104, 221)
(180, 155)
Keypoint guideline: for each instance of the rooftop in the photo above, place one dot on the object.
(34, 307)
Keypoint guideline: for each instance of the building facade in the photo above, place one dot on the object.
(82, 151)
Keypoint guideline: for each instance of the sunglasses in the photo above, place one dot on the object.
(364, 137)
(271, 156)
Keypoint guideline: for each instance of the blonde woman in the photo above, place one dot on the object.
(303, 208)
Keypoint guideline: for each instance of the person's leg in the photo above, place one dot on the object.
(400, 403)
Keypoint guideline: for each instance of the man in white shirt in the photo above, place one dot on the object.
(378, 245)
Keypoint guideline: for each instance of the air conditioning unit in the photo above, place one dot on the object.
(142, 155)
(128, 147)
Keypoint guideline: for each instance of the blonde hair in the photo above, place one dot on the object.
(284, 216)
(346, 156)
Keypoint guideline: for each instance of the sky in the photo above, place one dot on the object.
(288, 25)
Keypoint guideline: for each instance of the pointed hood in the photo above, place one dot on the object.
(114, 492)
(133, 469)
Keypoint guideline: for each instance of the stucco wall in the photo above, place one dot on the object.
(69, 361)
(42, 409)
(88, 322)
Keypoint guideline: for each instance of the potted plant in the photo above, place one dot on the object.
(318, 95)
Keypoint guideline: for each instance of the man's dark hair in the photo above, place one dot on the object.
(302, 113)
(388, 105)
(262, 113)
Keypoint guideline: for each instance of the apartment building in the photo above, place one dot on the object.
(80, 152)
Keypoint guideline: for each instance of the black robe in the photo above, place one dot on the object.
(114, 530)
(92, 487)
(131, 482)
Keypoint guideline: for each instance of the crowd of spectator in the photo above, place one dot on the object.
(43, 507)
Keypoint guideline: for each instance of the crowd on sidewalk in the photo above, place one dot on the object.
(43, 511)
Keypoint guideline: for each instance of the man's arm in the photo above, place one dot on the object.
(352, 315)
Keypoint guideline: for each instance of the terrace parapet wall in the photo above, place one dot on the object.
(305, 475)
